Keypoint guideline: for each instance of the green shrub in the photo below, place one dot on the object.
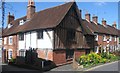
(89, 59)
(93, 58)
(83, 60)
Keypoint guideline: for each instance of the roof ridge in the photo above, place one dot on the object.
(54, 7)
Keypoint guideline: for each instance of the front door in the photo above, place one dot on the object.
(69, 54)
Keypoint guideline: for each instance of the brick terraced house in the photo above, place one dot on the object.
(57, 33)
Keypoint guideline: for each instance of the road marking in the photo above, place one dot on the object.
(100, 66)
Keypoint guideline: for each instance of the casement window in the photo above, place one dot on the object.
(21, 36)
(104, 38)
(21, 22)
(110, 38)
(5, 40)
(40, 34)
(96, 50)
(22, 52)
(71, 35)
(10, 40)
(96, 37)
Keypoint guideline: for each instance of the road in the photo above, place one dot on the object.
(106, 67)
(114, 66)
(6, 67)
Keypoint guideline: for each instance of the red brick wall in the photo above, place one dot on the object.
(59, 56)
(42, 54)
(13, 46)
(78, 53)
(104, 43)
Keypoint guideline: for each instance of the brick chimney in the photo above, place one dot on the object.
(80, 13)
(95, 19)
(30, 9)
(87, 16)
(104, 22)
(114, 25)
(10, 18)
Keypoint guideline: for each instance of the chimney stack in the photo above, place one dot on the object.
(87, 16)
(95, 19)
(80, 13)
(114, 25)
(30, 9)
(104, 22)
(10, 18)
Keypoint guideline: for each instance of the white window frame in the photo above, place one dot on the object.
(10, 52)
(10, 40)
(5, 40)
(96, 49)
(115, 38)
(96, 37)
(104, 38)
(110, 38)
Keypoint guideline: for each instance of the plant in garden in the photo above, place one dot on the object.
(93, 58)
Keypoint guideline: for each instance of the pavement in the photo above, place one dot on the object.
(6, 67)
(67, 67)
(113, 66)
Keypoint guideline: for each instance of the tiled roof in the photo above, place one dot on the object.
(51, 17)
(48, 18)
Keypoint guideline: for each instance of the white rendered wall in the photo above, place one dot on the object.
(30, 40)
(27, 40)
(46, 42)
(34, 39)
(21, 43)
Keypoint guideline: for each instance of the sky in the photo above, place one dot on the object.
(106, 10)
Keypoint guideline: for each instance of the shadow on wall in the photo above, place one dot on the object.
(32, 61)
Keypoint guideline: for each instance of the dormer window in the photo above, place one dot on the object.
(21, 22)
(9, 25)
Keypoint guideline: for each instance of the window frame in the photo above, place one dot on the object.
(104, 37)
(10, 40)
(96, 37)
(40, 34)
(21, 36)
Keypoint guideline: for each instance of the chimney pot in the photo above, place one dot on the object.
(30, 9)
(10, 18)
(114, 25)
(87, 16)
(95, 19)
(103, 22)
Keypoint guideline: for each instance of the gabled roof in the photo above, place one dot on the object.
(112, 30)
(86, 28)
(98, 28)
(119, 33)
(48, 18)
(7, 31)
